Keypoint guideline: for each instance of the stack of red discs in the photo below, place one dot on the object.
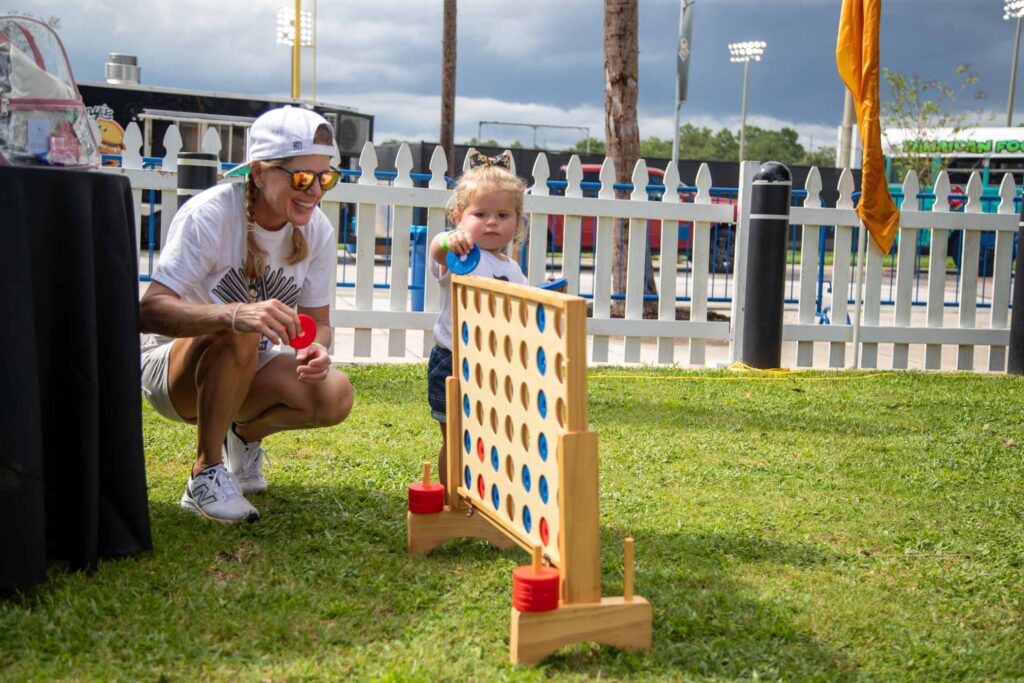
(426, 499)
(535, 590)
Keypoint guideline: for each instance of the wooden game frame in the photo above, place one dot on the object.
(489, 308)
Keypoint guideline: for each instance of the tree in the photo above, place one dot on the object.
(920, 107)
(621, 132)
(821, 157)
(703, 145)
(774, 145)
(656, 147)
(589, 145)
(621, 87)
(473, 142)
(448, 84)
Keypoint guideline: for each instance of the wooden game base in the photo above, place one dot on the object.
(613, 621)
(426, 532)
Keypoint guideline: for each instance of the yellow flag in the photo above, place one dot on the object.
(858, 64)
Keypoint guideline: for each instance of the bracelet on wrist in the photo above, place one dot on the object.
(234, 314)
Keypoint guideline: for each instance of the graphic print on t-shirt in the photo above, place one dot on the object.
(235, 287)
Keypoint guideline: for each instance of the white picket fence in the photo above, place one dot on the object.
(865, 324)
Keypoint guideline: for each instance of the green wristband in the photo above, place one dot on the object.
(444, 241)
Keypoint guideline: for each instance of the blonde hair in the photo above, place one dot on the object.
(255, 263)
(486, 178)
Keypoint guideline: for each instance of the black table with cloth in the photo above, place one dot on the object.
(72, 471)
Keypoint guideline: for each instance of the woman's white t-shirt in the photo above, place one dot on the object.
(490, 266)
(203, 254)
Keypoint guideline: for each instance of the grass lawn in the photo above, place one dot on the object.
(811, 526)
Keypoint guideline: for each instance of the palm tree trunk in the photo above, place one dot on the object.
(621, 132)
(448, 84)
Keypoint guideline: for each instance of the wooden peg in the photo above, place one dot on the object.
(426, 475)
(536, 559)
(627, 571)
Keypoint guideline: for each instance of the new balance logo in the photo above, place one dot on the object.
(202, 494)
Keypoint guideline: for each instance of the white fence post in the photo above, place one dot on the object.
(906, 268)
(936, 306)
(636, 280)
(809, 244)
(969, 270)
(400, 251)
(1002, 261)
(603, 246)
(366, 236)
(669, 260)
(700, 234)
(572, 229)
(538, 236)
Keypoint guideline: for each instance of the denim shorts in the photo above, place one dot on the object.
(439, 369)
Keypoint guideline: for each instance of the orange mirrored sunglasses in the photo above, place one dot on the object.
(303, 180)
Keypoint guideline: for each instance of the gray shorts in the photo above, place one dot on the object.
(154, 378)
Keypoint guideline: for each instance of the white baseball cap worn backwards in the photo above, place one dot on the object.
(282, 133)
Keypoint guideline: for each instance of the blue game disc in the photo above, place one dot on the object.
(461, 265)
(555, 284)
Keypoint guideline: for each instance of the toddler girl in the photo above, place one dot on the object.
(487, 210)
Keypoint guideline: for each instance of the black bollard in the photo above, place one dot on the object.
(197, 171)
(1015, 366)
(764, 295)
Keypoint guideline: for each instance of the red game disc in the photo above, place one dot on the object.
(426, 500)
(535, 592)
(308, 333)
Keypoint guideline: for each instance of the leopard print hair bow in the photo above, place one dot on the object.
(504, 160)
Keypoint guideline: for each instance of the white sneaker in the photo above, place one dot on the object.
(245, 461)
(215, 494)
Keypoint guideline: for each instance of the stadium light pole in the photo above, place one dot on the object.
(745, 52)
(1013, 9)
(287, 21)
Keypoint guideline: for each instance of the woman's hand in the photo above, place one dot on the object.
(313, 363)
(273, 319)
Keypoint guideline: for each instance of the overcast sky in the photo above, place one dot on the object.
(535, 61)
